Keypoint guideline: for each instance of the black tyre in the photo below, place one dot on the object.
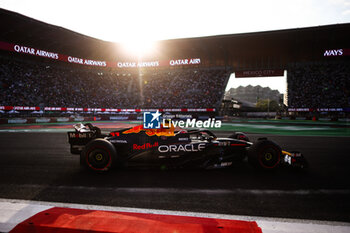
(265, 155)
(98, 155)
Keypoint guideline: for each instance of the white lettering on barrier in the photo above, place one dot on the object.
(126, 64)
(17, 121)
(179, 62)
(258, 73)
(24, 49)
(195, 61)
(95, 63)
(23, 108)
(75, 60)
(333, 52)
(62, 119)
(42, 120)
(86, 61)
(43, 53)
(32, 51)
(148, 64)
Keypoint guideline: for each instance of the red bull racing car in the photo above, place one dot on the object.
(170, 148)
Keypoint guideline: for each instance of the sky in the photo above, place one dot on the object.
(137, 24)
(122, 21)
(275, 83)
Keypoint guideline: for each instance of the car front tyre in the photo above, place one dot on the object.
(265, 155)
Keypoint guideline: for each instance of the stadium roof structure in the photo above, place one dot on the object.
(259, 50)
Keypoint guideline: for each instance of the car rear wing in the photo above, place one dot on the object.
(83, 134)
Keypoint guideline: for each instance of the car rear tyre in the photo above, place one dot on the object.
(265, 155)
(98, 155)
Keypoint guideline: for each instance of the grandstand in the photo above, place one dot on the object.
(28, 84)
(319, 85)
(48, 67)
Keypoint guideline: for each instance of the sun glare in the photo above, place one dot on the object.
(139, 48)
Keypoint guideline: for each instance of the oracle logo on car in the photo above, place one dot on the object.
(144, 146)
(178, 148)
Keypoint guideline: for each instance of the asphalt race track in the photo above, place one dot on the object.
(38, 166)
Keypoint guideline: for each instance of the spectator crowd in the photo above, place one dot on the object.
(319, 85)
(57, 85)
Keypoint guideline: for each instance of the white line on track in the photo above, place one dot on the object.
(216, 132)
(13, 211)
(298, 192)
(33, 130)
(280, 127)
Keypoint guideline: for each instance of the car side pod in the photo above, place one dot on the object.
(98, 155)
(240, 136)
(265, 155)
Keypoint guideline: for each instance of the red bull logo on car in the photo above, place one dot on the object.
(144, 146)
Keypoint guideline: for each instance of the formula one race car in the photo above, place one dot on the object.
(164, 148)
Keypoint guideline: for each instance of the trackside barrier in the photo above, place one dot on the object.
(61, 119)
(17, 121)
(43, 120)
(96, 110)
(131, 117)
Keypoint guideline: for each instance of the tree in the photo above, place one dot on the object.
(265, 105)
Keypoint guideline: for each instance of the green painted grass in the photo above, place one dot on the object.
(278, 127)
(296, 130)
(282, 121)
(69, 123)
